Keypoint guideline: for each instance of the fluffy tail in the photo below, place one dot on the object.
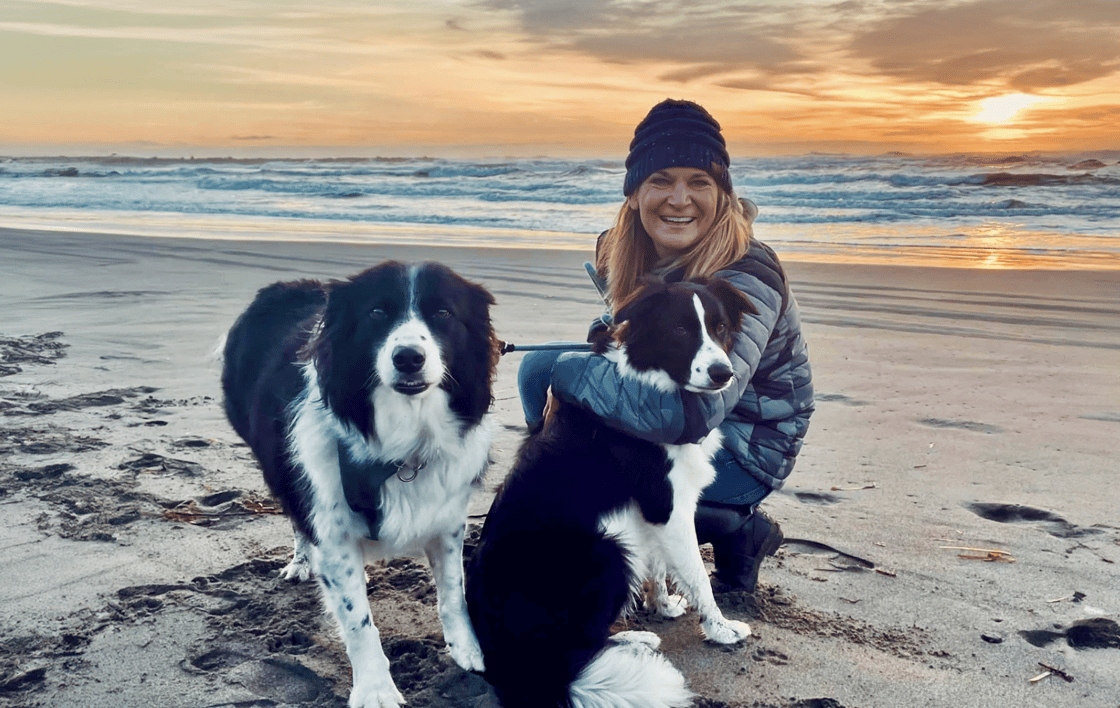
(633, 674)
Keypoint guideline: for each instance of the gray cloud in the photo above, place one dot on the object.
(1028, 46)
(705, 38)
(546, 17)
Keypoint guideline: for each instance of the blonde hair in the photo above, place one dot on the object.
(626, 252)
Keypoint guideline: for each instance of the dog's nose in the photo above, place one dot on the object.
(408, 360)
(719, 373)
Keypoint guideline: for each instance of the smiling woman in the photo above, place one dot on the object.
(677, 206)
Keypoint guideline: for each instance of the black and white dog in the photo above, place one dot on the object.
(366, 402)
(588, 513)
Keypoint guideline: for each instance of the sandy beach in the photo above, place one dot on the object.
(952, 530)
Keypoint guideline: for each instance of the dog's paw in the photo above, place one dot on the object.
(299, 570)
(670, 606)
(725, 631)
(376, 694)
(467, 654)
(468, 658)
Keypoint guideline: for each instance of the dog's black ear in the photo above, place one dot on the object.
(337, 356)
(474, 370)
(734, 301)
(648, 286)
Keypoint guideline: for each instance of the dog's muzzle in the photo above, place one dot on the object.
(409, 363)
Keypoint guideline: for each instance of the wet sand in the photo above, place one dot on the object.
(952, 526)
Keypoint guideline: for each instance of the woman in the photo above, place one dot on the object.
(681, 219)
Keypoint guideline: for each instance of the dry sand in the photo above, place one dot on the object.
(958, 409)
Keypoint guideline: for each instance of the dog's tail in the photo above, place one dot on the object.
(630, 672)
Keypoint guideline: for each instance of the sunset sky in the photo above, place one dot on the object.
(555, 77)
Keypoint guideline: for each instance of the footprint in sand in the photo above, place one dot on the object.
(968, 425)
(1093, 633)
(1018, 513)
(838, 398)
(821, 498)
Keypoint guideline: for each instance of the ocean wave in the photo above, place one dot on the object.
(899, 193)
(1017, 179)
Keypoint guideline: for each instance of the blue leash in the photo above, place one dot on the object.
(507, 347)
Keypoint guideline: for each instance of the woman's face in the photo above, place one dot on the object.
(677, 206)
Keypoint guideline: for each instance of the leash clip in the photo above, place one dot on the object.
(404, 466)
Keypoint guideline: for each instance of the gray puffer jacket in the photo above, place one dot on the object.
(763, 415)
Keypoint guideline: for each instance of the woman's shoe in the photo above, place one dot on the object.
(739, 543)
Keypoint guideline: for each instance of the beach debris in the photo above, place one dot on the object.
(191, 512)
(1075, 597)
(992, 638)
(834, 567)
(854, 489)
(96, 399)
(888, 573)
(789, 543)
(989, 555)
(1051, 671)
(152, 463)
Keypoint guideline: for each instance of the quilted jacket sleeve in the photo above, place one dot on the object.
(645, 411)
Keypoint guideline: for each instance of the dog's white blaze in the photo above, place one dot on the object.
(709, 354)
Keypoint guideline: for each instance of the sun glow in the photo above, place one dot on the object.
(1002, 109)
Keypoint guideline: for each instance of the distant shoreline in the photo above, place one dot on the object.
(224, 228)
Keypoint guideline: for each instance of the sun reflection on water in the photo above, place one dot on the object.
(987, 245)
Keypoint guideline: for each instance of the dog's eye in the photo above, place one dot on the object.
(443, 313)
(680, 331)
(377, 314)
(721, 328)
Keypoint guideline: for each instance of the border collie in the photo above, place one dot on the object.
(366, 402)
(588, 513)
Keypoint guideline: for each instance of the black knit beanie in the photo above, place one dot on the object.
(677, 134)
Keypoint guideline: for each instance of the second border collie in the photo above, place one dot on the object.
(588, 513)
(366, 402)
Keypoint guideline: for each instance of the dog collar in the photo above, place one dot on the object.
(362, 482)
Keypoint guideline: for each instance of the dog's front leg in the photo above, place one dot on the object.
(682, 553)
(659, 600)
(445, 556)
(299, 569)
(340, 570)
